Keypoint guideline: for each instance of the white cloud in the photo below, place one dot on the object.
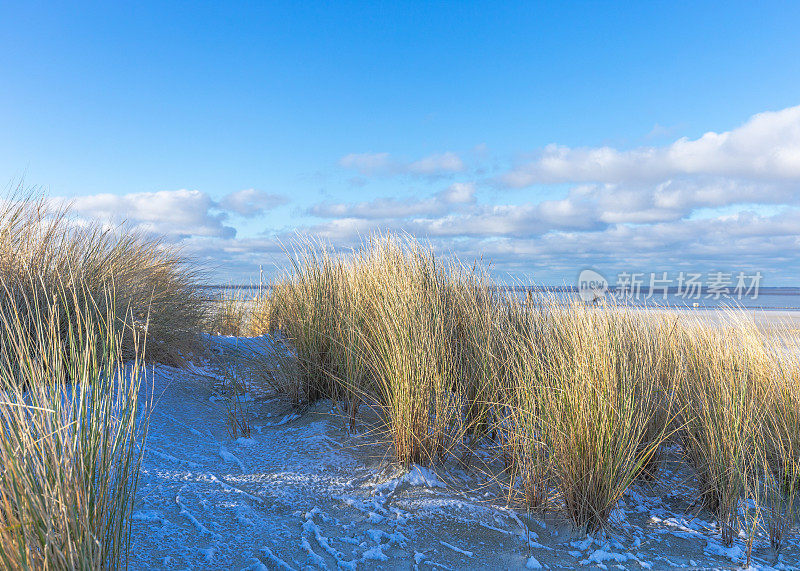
(724, 200)
(454, 211)
(378, 208)
(459, 193)
(744, 241)
(437, 164)
(513, 220)
(766, 147)
(384, 208)
(371, 164)
(347, 231)
(251, 202)
(174, 213)
(368, 163)
(177, 214)
(626, 207)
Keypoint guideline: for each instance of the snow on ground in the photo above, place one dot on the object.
(302, 493)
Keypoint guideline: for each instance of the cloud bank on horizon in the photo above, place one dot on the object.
(723, 201)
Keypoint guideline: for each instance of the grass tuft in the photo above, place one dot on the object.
(43, 248)
(578, 401)
(71, 434)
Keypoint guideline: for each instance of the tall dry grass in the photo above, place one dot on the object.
(781, 459)
(779, 451)
(387, 326)
(228, 315)
(81, 308)
(592, 403)
(44, 248)
(71, 430)
(722, 419)
(578, 401)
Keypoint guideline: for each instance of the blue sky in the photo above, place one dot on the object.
(545, 137)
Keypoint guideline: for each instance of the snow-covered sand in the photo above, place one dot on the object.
(302, 493)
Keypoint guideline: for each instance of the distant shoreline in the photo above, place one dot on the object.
(772, 290)
(657, 303)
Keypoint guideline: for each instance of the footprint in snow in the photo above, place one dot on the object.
(228, 457)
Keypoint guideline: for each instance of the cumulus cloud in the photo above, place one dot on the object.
(368, 163)
(452, 214)
(239, 256)
(382, 208)
(765, 148)
(459, 193)
(251, 202)
(437, 164)
(546, 240)
(744, 241)
(454, 211)
(174, 213)
(723, 200)
(513, 220)
(371, 164)
(748, 216)
(177, 214)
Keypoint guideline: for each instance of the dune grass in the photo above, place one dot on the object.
(228, 315)
(44, 247)
(70, 443)
(593, 400)
(385, 328)
(779, 453)
(81, 309)
(722, 420)
(578, 401)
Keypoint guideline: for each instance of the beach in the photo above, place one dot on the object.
(304, 490)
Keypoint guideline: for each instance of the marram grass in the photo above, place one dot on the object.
(43, 247)
(71, 433)
(579, 400)
(81, 307)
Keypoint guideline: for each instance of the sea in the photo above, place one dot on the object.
(766, 298)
